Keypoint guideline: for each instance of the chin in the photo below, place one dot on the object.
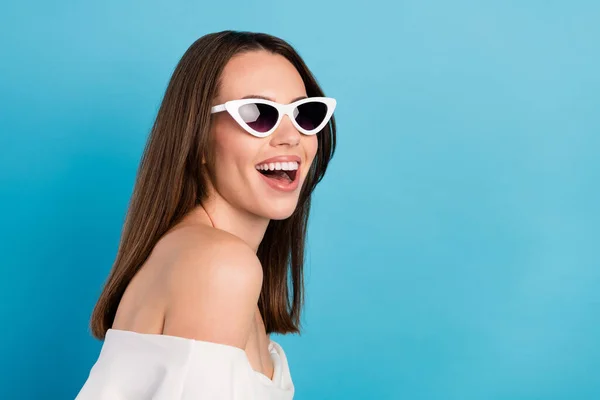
(278, 212)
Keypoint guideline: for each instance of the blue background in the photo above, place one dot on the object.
(454, 243)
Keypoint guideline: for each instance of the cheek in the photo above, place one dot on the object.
(311, 145)
(234, 150)
(225, 136)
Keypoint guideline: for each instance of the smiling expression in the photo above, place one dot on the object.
(263, 176)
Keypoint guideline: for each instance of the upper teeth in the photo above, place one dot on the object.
(286, 166)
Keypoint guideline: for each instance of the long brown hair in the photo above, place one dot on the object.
(171, 181)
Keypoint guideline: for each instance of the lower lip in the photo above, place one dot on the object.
(282, 185)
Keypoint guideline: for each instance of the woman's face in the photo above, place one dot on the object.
(237, 153)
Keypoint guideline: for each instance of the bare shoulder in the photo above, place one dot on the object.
(213, 281)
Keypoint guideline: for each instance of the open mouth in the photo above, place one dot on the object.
(284, 172)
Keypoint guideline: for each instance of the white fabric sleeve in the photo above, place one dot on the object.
(135, 366)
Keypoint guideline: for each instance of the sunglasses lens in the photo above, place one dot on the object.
(258, 116)
(310, 115)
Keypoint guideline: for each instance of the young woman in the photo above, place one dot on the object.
(211, 255)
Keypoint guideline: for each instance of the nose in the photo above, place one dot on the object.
(286, 134)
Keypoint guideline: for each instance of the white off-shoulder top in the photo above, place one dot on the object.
(135, 366)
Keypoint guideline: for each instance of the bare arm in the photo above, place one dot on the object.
(213, 292)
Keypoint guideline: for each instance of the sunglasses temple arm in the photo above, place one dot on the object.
(218, 108)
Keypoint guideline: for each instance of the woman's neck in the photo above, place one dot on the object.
(220, 214)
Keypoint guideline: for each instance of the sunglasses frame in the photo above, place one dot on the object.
(233, 106)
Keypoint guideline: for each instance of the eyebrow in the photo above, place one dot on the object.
(257, 96)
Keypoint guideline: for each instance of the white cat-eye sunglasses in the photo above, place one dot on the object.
(261, 117)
